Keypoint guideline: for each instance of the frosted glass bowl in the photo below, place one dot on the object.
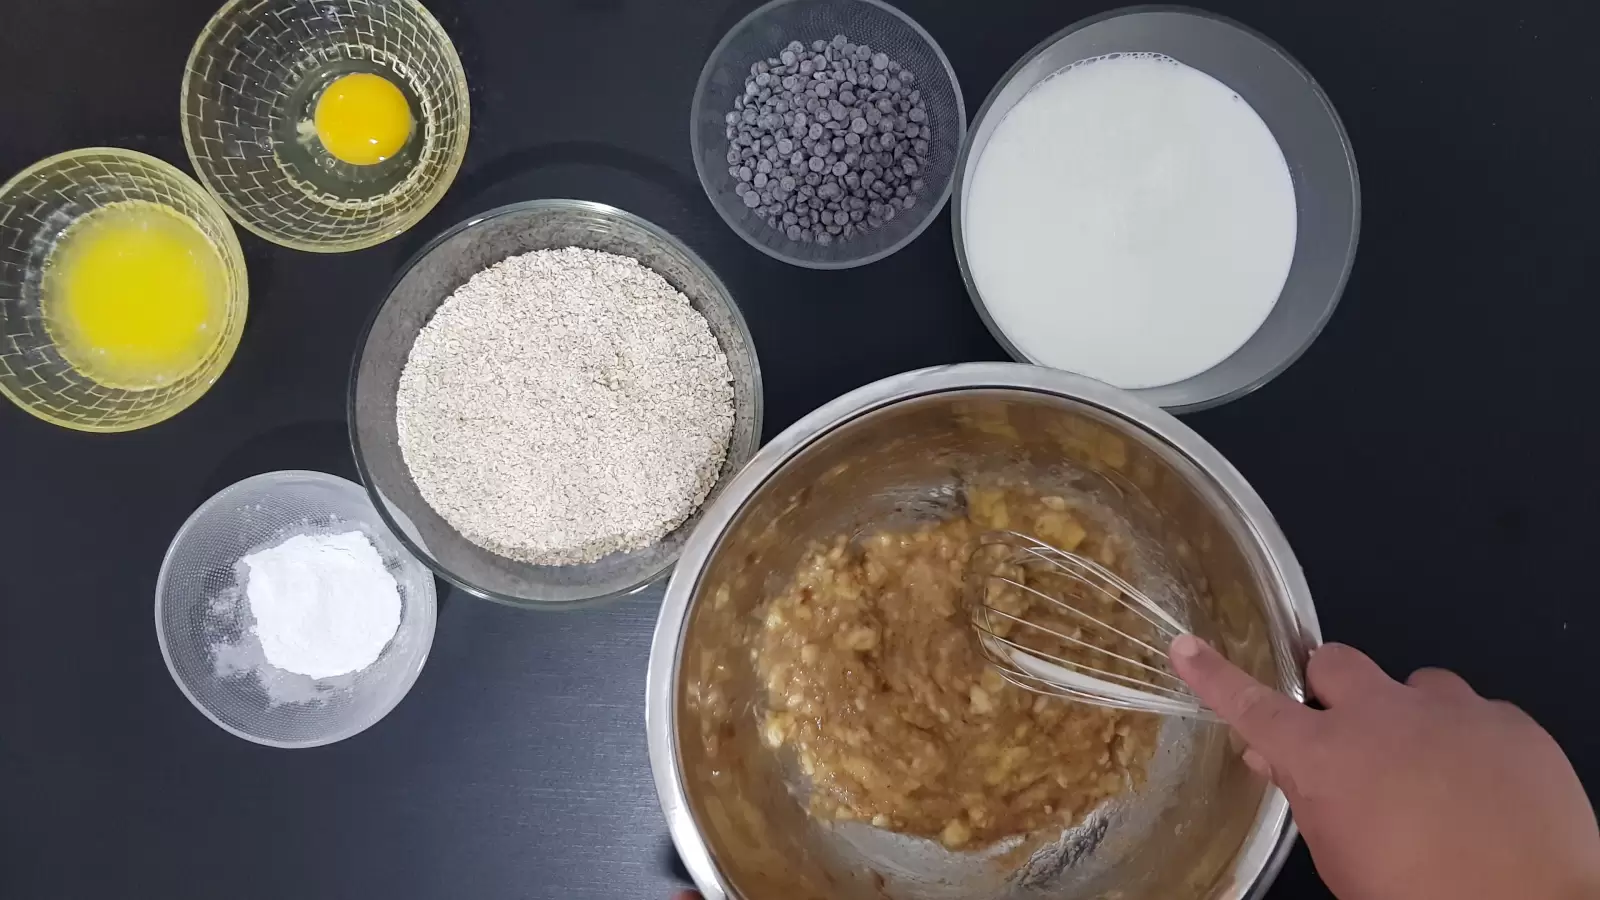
(204, 624)
(762, 34)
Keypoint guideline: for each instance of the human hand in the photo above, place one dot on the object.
(1415, 791)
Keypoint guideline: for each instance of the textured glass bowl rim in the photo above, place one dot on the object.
(757, 411)
(425, 634)
(419, 209)
(237, 288)
(1291, 354)
(933, 211)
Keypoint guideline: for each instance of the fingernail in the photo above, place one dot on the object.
(1186, 646)
(1258, 763)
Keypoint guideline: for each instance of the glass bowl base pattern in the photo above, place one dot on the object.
(36, 208)
(251, 85)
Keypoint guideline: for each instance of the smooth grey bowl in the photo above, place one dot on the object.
(427, 281)
(1302, 119)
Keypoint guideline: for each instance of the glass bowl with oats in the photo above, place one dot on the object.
(547, 397)
(821, 724)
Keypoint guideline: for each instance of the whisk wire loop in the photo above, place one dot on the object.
(1029, 645)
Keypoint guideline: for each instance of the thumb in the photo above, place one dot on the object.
(1276, 727)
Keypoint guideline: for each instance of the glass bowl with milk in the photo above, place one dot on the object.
(1161, 199)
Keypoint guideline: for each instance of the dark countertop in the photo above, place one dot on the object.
(1430, 457)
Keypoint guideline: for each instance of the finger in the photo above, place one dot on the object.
(1441, 683)
(686, 895)
(1258, 764)
(1339, 673)
(1280, 776)
(1274, 725)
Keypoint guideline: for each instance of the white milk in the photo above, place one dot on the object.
(1131, 219)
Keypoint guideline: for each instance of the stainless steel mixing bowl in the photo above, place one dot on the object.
(1302, 119)
(1202, 826)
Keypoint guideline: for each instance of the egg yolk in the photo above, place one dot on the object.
(362, 119)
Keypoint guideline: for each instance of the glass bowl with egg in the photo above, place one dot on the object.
(1159, 198)
(122, 290)
(327, 126)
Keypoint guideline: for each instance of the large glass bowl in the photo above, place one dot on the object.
(1301, 118)
(36, 207)
(762, 34)
(255, 73)
(427, 281)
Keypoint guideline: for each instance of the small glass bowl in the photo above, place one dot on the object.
(1308, 130)
(765, 32)
(427, 281)
(250, 85)
(204, 625)
(36, 207)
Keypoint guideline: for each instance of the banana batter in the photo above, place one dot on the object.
(875, 681)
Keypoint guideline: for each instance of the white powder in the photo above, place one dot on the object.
(324, 605)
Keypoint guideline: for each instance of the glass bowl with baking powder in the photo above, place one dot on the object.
(213, 644)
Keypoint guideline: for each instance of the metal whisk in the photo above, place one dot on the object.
(1030, 604)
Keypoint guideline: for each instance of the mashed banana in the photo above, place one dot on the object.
(875, 681)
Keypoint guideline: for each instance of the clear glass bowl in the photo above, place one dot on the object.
(765, 32)
(251, 82)
(35, 208)
(427, 281)
(203, 622)
(1308, 130)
